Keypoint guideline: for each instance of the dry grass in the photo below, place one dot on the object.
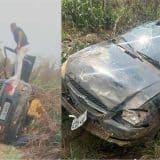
(45, 142)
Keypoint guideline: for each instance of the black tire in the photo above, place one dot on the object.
(16, 121)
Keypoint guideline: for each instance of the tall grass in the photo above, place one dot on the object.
(105, 18)
(95, 15)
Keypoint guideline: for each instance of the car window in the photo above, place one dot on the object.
(145, 39)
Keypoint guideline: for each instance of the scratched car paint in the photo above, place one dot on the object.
(118, 83)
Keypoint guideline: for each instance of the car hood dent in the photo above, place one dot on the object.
(111, 75)
(143, 96)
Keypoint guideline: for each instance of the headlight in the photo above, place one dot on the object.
(134, 116)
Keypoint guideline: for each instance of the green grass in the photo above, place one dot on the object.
(152, 149)
(11, 153)
(96, 15)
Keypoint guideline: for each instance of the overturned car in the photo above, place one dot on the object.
(117, 83)
(14, 98)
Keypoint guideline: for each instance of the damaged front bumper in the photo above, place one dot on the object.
(92, 126)
(113, 131)
(122, 127)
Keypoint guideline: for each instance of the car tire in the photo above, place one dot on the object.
(16, 122)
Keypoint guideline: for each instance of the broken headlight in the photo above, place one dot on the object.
(134, 116)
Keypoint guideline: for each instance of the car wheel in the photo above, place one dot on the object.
(16, 122)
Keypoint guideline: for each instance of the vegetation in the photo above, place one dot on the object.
(46, 128)
(95, 15)
(101, 20)
(87, 22)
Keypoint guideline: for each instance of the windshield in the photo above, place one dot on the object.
(144, 39)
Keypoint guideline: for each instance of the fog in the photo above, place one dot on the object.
(40, 20)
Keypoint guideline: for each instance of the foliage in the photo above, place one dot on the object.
(105, 18)
(95, 15)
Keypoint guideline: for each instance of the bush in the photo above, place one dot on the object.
(95, 15)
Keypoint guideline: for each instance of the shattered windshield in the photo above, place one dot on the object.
(144, 39)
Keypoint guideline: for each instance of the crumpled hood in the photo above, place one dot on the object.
(111, 75)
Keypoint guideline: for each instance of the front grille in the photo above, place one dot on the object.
(89, 96)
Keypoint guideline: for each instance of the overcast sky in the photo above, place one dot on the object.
(40, 20)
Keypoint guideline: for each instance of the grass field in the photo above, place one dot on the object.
(10, 153)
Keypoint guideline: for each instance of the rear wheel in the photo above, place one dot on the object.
(16, 122)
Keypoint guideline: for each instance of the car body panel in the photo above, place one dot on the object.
(112, 75)
(14, 98)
